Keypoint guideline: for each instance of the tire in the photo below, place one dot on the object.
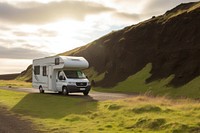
(65, 91)
(41, 89)
(85, 93)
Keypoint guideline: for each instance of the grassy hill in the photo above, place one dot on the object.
(159, 55)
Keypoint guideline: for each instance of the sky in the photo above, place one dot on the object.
(40, 28)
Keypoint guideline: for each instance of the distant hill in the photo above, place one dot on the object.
(26, 75)
(9, 76)
(170, 43)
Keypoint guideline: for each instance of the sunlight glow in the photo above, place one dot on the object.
(13, 65)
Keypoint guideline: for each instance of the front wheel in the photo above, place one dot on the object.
(41, 89)
(65, 91)
(85, 93)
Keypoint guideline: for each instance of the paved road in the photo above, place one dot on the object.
(99, 96)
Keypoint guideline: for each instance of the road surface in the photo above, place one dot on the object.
(10, 123)
(99, 96)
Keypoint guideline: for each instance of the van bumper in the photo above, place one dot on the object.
(72, 88)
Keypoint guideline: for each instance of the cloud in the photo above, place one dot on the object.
(20, 33)
(126, 16)
(21, 53)
(6, 41)
(30, 46)
(41, 13)
(4, 28)
(39, 33)
(47, 33)
(158, 7)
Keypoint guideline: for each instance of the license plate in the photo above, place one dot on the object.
(82, 89)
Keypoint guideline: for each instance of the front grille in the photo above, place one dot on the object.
(81, 83)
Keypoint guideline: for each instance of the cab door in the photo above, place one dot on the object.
(60, 80)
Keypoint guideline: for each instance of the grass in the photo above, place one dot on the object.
(15, 83)
(92, 74)
(26, 75)
(180, 11)
(136, 84)
(55, 113)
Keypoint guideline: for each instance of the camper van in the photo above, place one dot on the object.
(60, 74)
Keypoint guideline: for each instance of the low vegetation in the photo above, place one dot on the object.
(56, 113)
(137, 84)
(15, 83)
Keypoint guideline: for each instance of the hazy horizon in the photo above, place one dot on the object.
(34, 29)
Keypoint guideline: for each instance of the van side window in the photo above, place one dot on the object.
(44, 71)
(37, 70)
(57, 61)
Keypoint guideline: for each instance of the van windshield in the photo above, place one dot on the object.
(74, 74)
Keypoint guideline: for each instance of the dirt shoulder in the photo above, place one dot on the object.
(10, 123)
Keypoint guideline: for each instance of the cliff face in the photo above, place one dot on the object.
(170, 42)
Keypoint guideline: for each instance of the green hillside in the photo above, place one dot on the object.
(137, 84)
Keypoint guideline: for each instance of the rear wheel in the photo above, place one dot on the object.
(65, 91)
(41, 89)
(85, 93)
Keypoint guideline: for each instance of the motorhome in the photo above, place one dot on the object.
(60, 74)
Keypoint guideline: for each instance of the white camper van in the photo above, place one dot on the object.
(60, 74)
